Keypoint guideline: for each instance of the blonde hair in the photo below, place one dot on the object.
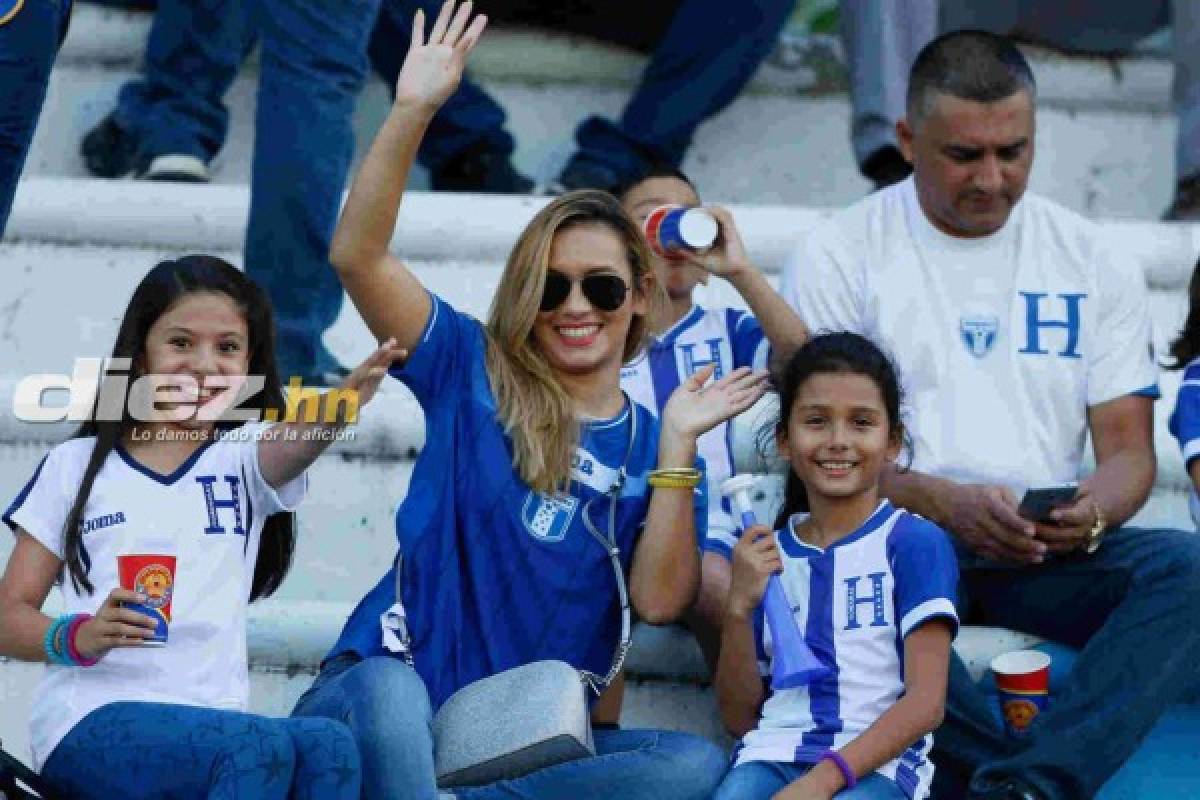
(532, 405)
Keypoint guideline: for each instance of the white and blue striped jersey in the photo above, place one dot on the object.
(1185, 426)
(855, 603)
(729, 337)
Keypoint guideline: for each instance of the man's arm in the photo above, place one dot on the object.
(982, 516)
(1123, 440)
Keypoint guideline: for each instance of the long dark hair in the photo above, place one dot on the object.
(161, 289)
(824, 354)
(1187, 346)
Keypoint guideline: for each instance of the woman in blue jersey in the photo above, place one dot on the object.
(170, 476)
(1184, 423)
(525, 424)
(871, 586)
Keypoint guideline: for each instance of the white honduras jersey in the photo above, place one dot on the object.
(729, 337)
(211, 509)
(855, 603)
(1002, 342)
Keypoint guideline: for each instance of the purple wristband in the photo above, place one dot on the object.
(844, 768)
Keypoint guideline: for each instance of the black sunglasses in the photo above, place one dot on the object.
(604, 291)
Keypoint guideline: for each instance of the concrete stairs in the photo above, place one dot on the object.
(76, 247)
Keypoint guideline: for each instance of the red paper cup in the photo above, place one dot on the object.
(1023, 688)
(152, 575)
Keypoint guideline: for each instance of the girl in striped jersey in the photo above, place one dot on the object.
(1185, 419)
(872, 589)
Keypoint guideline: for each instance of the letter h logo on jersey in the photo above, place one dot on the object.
(691, 364)
(1034, 324)
(548, 517)
(875, 600)
(214, 505)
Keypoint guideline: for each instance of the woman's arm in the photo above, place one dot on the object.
(387, 295)
(31, 571)
(666, 564)
(288, 448)
(918, 712)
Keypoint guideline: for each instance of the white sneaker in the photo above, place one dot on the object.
(176, 167)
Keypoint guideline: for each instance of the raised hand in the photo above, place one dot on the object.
(366, 377)
(433, 67)
(727, 257)
(694, 408)
(114, 626)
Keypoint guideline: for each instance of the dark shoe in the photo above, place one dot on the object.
(108, 150)
(1186, 205)
(180, 168)
(480, 170)
(1004, 789)
(886, 166)
(580, 174)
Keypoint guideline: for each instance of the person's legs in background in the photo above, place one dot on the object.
(710, 50)
(882, 40)
(467, 147)
(313, 66)
(1185, 34)
(30, 35)
(170, 123)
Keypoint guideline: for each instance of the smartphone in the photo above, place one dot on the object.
(1038, 502)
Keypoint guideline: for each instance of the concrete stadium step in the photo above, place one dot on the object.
(787, 135)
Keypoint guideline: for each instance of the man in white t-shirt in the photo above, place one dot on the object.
(1016, 332)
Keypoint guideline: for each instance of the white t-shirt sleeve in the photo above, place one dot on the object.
(1122, 358)
(266, 497)
(824, 282)
(42, 505)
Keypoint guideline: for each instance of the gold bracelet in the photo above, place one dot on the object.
(675, 478)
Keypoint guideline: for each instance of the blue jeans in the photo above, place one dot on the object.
(709, 50)
(313, 66)
(28, 44)
(760, 780)
(1131, 609)
(156, 750)
(385, 704)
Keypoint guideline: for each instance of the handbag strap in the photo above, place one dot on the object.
(395, 623)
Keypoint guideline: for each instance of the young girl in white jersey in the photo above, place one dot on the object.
(872, 590)
(1185, 419)
(164, 474)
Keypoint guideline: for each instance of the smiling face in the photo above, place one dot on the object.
(577, 338)
(679, 277)
(203, 338)
(971, 160)
(838, 438)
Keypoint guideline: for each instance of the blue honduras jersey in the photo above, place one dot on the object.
(1185, 425)
(496, 575)
(729, 337)
(855, 602)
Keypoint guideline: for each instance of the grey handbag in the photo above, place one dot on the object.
(530, 717)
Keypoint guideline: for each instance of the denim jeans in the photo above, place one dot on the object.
(158, 750)
(760, 780)
(386, 706)
(1131, 609)
(710, 49)
(313, 66)
(29, 42)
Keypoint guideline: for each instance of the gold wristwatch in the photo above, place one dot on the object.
(1097, 531)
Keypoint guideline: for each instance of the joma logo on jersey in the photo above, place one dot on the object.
(103, 521)
(548, 517)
